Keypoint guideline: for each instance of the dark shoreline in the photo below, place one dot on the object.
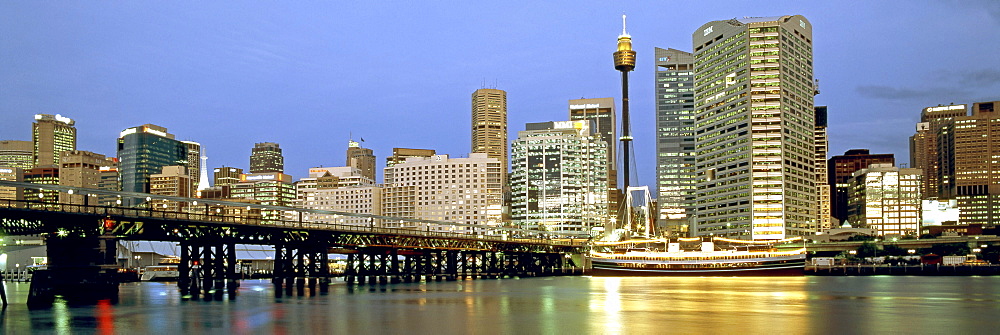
(908, 270)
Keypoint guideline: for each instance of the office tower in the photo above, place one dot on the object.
(46, 176)
(886, 199)
(976, 169)
(559, 178)
(266, 158)
(194, 164)
(754, 148)
(11, 193)
(489, 124)
(600, 113)
(675, 176)
(109, 182)
(52, 134)
(269, 188)
(822, 145)
(174, 181)
(144, 151)
(17, 154)
(460, 190)
(224, 176)
(361, 158)
(841, 168)
(925, 150)
(81, 169)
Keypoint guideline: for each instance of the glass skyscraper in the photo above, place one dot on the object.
(144, 151)
(559, 177)
(675, 160)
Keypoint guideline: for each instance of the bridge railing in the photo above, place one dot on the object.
(208, 215)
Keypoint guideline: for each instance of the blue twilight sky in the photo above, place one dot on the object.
(307, 75)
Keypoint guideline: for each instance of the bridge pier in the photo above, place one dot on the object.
(79, 269)
(303, 265)
(207, 270)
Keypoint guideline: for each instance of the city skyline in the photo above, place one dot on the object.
(228, 81)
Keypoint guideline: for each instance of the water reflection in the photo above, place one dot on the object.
(573, 305)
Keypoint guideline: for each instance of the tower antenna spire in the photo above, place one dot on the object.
(623, 25)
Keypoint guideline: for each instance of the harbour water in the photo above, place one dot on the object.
(553, 305)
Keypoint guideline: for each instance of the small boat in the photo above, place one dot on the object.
(716, 257)
(159, 273)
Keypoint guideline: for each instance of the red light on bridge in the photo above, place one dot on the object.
(109, 223)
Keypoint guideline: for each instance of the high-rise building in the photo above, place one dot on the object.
(52, 134)
(675, 155)
(194, 164)
(81, 169)
(886, 199)
(266, 158)
(172, 181)
(144, 151)
(841, 168)
(224, 176)
(822, 146)
(558, 178)
(362, 159)
(460, 190)
(976, 173)
(754, 128)
(489, 124)
(17, 154)
(600, 113)
(925, 150)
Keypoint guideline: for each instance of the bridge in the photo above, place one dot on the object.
(82, 237)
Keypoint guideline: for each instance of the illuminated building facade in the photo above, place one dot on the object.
(362, 159)
(144, 151)
(17, 154)
(886, 199)
(754, 128)
(675, 155)
(172, 181)
(194, 169)
(559, 178)
(822, 144)
(225, 176)
(600, 112)
(81, 169)
(489, 124)
(461, 190)
(925, 149)
(271, 188)
(266, 158)
(52, 134)
(400, 155)
(977, 164)
(358, 199)
(45, 176)
(11, 193)
(840, 170)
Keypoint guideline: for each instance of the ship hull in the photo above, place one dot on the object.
(772, 267)
(790, 269)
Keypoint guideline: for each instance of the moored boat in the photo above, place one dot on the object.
(727, 258)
